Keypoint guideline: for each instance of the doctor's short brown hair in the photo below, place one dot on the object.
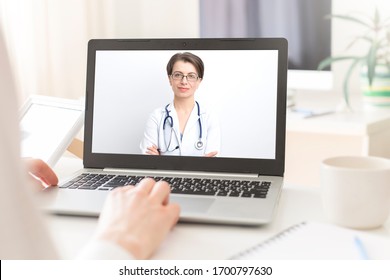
(186, 57)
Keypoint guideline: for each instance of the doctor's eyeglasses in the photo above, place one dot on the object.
(191, 77)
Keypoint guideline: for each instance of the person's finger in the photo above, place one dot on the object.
(160, 192)
(211, 154)
(146, 185)
(152, 151)
(156, 151)
(42, 171)
(124, 188)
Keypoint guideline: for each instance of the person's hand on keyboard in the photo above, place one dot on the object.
(138, 218)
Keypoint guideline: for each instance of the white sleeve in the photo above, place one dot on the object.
(104, 250)
(213, 134)
(23, 234)
(151, 132)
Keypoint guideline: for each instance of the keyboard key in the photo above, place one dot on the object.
(222, 193)
(260, 195)
(66, 185)
(234, 193)
(246, 194)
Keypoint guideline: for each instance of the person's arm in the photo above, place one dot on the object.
(23, 234)
(134, 221)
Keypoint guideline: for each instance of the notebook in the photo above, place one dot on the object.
(240, 99)
(320, 241)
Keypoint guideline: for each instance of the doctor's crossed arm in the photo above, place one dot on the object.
(211, 154)
(153, 150)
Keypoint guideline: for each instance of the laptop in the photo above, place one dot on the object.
(244, 85)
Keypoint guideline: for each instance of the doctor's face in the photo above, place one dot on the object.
(182, 79)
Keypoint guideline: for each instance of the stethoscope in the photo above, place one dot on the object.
(168, 119)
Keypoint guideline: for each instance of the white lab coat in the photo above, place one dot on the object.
(169, 138)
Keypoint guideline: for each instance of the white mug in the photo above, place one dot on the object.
(356, 191)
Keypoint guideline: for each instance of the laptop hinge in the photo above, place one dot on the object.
(180, 173)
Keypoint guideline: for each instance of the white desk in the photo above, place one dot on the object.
(309, 141)
(199, 241)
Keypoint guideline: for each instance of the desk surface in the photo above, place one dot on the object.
(198, 241)
(343, 123)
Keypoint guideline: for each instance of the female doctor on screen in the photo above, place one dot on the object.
(183, 127)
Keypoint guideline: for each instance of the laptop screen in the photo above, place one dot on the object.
(236, 118)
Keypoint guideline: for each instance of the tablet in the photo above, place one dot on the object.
(48, 126)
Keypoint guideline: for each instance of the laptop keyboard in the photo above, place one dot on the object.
(180, 185)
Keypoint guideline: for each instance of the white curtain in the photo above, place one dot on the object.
(47, 39)
(47, 42)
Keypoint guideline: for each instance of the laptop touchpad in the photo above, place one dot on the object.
(195, 204)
